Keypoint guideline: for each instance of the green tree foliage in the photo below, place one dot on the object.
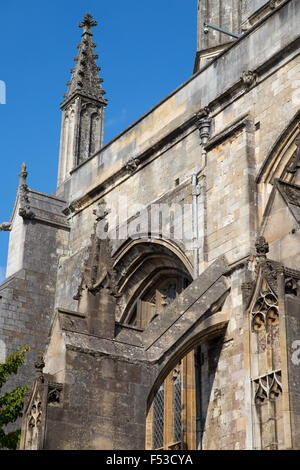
(11, 403)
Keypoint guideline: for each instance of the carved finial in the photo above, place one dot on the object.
(85, 76)
(39, 366)
(23, 175)
(262, 247)
(87, 23)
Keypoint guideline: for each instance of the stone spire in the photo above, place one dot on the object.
(83, 108)
(85, 78)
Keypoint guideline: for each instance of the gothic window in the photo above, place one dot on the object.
(158, 419)
(155, 300)
(166, 413)
(171, 417)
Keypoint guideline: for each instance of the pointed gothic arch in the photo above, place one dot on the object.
(144, 266)
(282, 162)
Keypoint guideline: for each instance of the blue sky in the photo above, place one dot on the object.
(146, 49)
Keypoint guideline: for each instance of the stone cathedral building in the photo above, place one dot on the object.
(159, 286)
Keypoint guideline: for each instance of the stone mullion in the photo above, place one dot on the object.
(273, 425)
(168, 412)
(149, 428)
(188, 393)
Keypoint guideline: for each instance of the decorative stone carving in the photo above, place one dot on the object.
(35, 418)
(39, 366)
(132, 164)
(262, 247)
(101, 212)
(24, 209)
(268, 387)
(265, 311)
(249, 78)
(34, 414)
(5, 227)
(291, 286)
(85, 75)
(99, 270)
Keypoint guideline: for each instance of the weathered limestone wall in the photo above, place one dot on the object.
(233, 154)
(226, 15)
(107, 383)
(249, 53)
(28, 294)
(252, 95)
(16, 246)
(245, 125)
(116, 392)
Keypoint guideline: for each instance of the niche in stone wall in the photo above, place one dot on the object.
(89, 135)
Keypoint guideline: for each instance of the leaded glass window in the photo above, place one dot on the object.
(177, 404)
(158, 419)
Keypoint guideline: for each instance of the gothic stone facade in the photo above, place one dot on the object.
(154, 338)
